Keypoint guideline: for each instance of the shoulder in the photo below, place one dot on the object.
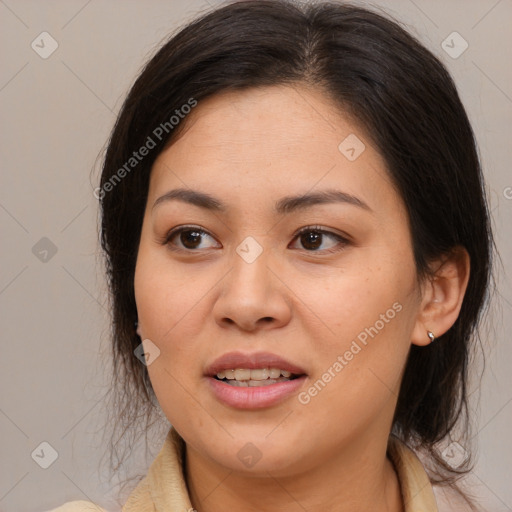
(78, 506)
(448, 499)
(479, 499)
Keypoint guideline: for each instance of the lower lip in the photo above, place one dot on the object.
(256, 397)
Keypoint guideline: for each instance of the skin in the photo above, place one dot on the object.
(249, 149)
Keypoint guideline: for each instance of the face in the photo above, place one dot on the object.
(323, 289)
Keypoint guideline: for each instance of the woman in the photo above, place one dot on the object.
(298, 250)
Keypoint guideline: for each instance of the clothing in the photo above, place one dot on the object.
(164, 488)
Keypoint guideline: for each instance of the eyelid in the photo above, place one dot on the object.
(323, 230)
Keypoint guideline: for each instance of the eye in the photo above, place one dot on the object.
(190, 238)
(312, 238)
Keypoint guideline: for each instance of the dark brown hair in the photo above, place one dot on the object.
(371, 69)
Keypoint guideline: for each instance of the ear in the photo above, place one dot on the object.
(442, 295)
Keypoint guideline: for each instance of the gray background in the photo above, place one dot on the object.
(56, 116)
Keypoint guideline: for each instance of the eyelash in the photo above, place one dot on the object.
(316, 229)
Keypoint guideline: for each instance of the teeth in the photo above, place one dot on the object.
(244, 376)
(254, 383)
(275, 373)
(259, 374)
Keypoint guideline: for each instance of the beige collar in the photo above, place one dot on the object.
(417, 493)
(164, 488)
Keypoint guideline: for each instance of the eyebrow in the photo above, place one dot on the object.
(285, 205)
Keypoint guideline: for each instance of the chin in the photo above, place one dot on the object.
(256, 453)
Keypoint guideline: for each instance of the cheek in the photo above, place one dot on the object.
(172, 305)
(353, 299)
(164, 294)
(370, 312)
(158, 309)
(165, 303)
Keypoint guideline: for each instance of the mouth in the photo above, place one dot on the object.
(246, 377)
(253, 381)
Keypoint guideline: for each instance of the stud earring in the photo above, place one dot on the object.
(431, 336)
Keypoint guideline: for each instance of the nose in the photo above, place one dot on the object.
(252, 297)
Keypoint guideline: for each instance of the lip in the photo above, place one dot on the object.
(257, 397)
(233, 360)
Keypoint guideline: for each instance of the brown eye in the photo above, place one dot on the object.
(186, 238)
(312, 240)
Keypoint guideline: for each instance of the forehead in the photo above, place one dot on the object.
(275, 140)
(284, 118)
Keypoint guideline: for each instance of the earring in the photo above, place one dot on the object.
(431, 336)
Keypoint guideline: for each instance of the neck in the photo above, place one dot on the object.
(358, 478)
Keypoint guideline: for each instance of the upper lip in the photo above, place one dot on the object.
(234, 360)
